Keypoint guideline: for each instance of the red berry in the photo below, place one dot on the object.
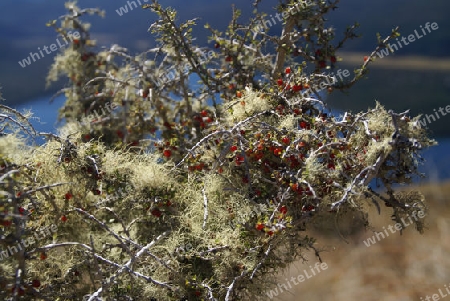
(333, 59)
(21, 210)
(228, 59)
(285, 140)
(233, 148)
(76, 41)
(279, 82)
(6, 223)
(204, 113)
(63, 218)
(322, 64)
(283, 209)
(239, 159)
(277, 151)
(217, 45)
(288, 70)
(259, 226)
(297, 88)
(239, 94)
(68, 196)
(303, 124)
(43, 256)
(35, 283)
(167, 153)
(156, 212)
(366, 58)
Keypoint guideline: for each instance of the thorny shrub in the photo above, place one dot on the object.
(176, 193)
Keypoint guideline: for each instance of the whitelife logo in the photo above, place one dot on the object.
(131, 4)
(266, 24)
(28, 241)
(411, 38)
(53, 47)
(437, 297)
(430, 117)
(397, 227)
(297, 280)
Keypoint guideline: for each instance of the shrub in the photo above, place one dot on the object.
(179, 193)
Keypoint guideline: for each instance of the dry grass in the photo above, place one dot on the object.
(405, 267)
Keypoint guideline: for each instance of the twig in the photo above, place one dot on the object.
(205, 208)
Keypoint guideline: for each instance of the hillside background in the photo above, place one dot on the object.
(404, 267)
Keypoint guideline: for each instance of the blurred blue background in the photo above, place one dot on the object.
(416, 77)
